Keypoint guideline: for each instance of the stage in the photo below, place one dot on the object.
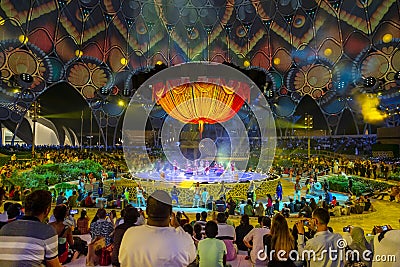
(212, 177)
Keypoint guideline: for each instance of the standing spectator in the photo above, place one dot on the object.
(61, 199)
(211, 251)
(248, 209)
(72, 200)
(260, 210)
(270, 207)
(3, 216)
(231, 206)
(256, 235)
(279, 191)
(322, 241)
(241, 231)
(205, 197)
(130, 217)
(241, 207)
(38, 242)
(175, 195)
(297, 189)
(83, 223)
(102, 227)
(174, 247)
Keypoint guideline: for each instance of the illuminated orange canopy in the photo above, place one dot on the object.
(200, 102)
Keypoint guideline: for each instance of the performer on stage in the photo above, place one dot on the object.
(175, 167)
(204, 197)
(222, 191)
(175, 195)
(251, 192)
(196, 199)
(139, 196)
(279, 191)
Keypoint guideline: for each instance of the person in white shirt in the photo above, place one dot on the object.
(386, 245)
(156, 243)
(325, 245)
(256, 235)
(227, 234)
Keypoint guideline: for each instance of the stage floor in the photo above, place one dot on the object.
(180, 176)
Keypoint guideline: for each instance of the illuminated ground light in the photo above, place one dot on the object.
(159, 63)
(387, 38)
(23, 39)
(246, 63)
(277, 61)
(78, 53)
(124, 61)
(121, 103)
(328, 52)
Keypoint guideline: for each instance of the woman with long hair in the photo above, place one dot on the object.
(280, 239)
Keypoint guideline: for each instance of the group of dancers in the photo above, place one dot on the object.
(197, 167)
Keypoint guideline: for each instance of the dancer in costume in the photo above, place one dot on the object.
(139, 196)
(196, 199)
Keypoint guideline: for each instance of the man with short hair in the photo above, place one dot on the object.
(322, 244)
(256, 235)
(61, 199)
(29, 241)
(203, 221)
(156, 243)
(211, 251)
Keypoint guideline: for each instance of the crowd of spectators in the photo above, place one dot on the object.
(203, 242)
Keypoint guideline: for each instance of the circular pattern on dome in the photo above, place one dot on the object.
(396, 60)
(333, 119)
(299, 21)
(15, 117)
(131, 9)
(141, 28)
(99, 77)
(2, 58)
(22, 62)
(79, 74)
(112, 121)
(193, 34)
(4, 113)
(284, 106)
(375, 65)
(240, 31)
(89, 91)
(317, 93)
(318, 76)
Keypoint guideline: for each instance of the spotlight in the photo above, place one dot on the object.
(26, 78)
(369, 82)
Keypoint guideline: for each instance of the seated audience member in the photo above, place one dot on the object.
(188, 229)
(276, 205)
(182, 218)
(241, 207)
(203, 221)
(334, 201)
(72, 200)
(227, 234)
(130, 217)
(157, 244)
(220, 204)
(394, 192)
(285, 211)
(89, 201)
(101, 227)
(64, 232)
(61, 199)
(359, 244)
(368, 205)
(291, 205)
(196, 219)
(322, 241)
(83, 223)
(280, 239)
(313, 204)
(306, 211)
(256, 236)
(241, 231)
(211, 251)
(229, 222)
(387, 243)
(38, 241)
(197, 235)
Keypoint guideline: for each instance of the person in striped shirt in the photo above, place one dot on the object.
(29, 241)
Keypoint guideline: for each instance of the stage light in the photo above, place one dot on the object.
(78, 53)
(387, 38)
(277, 61)
(121, 103)
(26, 77)
(124, 61)
(159, 63)
(246, 63)
(23, 39)
(369, 82)
(328, 52)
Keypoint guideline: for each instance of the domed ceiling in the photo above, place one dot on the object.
(333, 51)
